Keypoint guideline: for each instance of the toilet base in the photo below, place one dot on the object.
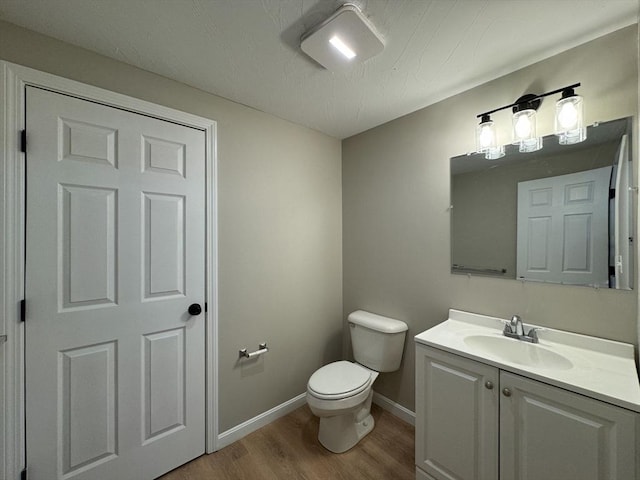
(342, 432)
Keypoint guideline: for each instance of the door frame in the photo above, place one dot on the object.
(13, 81)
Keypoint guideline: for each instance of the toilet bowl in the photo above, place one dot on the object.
(340, 393)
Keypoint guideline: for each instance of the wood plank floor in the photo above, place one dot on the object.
(289, 449)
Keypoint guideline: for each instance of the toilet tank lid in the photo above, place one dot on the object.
(377, 322)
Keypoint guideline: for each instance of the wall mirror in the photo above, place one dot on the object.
(562, 214)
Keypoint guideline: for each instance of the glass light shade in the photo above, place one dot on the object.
(486, 137)
(524, 126)
(530, 145)
(569, 123)
(494, 153)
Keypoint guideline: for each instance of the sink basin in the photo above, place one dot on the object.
(518, 352)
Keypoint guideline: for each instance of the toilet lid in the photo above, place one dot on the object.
(339, 380)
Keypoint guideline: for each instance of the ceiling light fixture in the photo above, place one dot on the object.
(569, 123)
(342, 40)
(342, 47)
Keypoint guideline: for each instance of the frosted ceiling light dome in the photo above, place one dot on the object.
(345, 38)
(342, 47)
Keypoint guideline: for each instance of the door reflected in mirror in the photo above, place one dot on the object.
(562, 215)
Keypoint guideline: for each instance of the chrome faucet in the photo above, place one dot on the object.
(515, 329)
(516, 325)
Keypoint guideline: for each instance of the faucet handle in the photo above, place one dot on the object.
(533, 334)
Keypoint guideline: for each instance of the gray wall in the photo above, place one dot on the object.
(280, 223)
(279, 193)
(396, 240)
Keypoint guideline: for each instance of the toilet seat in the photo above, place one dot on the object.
(339, 380)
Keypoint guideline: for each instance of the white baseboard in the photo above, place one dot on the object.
(236, 433)
(394, 408)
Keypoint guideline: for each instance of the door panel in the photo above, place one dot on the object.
(165, 390)
(88, 230)
(88, 406)
(163, 244)
(115, 255)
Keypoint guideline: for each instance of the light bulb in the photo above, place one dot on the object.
(568, 116)
(523, 127)
(569, 123)
(486, 136)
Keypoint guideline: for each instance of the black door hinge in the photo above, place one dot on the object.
(23, 474)
(206, 307)
(23, 141)
(23, 310)
(612, 193)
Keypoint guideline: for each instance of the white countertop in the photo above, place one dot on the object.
(602, 369)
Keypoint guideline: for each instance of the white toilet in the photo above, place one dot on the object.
(340, 393)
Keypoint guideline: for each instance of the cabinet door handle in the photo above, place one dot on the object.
(506, 392)
(489, 385)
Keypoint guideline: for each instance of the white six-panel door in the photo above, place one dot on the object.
(563, 228)
(115, 254)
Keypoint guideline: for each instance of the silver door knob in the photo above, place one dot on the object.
(488, 385)
(506, 392)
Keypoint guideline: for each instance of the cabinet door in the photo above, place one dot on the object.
(456, 416)
(547, 433)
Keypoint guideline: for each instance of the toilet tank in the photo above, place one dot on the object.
(377, 341)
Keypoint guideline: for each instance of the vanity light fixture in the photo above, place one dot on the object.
(570, 127)
(524, 123)
(487, 139)
(569, 123)
(486, 135)
(345, 38)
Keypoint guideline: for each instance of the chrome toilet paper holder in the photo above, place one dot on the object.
(262, 348)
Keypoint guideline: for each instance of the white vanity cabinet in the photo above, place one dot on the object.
(477, 422)
(547, 432)
(456, 416)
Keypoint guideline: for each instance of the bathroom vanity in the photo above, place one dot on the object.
(490, 407)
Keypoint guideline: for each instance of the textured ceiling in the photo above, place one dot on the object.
(248, 50)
